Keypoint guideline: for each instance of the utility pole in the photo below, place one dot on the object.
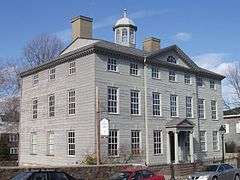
(98, 153)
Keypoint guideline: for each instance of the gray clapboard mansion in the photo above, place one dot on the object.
(160, 105)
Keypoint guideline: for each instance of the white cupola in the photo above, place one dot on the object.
(125, 31)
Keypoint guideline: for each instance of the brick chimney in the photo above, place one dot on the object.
(151, 44)
(81, 27)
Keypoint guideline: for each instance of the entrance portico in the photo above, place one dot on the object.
(180, 141)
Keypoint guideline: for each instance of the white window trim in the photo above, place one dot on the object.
(33, 144)
(118, 142)
(35, 110)
(175, 76)
(205, 137)
(160, 104)
(238, 127)
(110, 58)
(13, 150)
(72, 102)
(49, 143)
(218, 142)
(35, 79)
(158, 72)
(191, 107)
(135, 69)
(54, 105)
(216, 110)
(139, 103)
(71, 68)
(190, 79)
(118, 109)
(70, 155)
(161, 143)
(204, 109)
(177, 105)
(140, 142)
(52, 74)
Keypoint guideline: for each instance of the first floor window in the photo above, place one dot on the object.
(203, 144)
(155, 73)
(33, 143)
(134, 95)
(156, 104)
(112, 64)
(172, 75)
(71, 143)
(157, 140)
(173, 105)
(134, 69)
(72, 67)
(112, 99)
(34, 108)
(51, 104)
(50, 143)
(215, 141)
(71, 102)
(113, 143)
(189, 113)
(135, 142)
(13, 150)
(201, 108)
(214, 109)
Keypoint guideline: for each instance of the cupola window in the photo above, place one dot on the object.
(124, 35)
(118, 36)
(132, 36)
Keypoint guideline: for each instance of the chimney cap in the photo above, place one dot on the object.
(152, 39)
(82, 17)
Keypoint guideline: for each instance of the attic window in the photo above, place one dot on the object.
(171, 59)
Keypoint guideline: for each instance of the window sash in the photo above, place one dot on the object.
(199, 81)
(50, 143)
(34, 108)
(201, 108)
(173, 105)
(113, 145)
(134, 102)
(72, 67)
(189, 108)
(35, 79)
(156, 103)
(212, 84)
(155, 73)
(172, 75)
(187, 79)
(215, 140)
(203, 140)
(51, 105)
(112, 64)
(135, 142)
(112, 100)
(71, 143)
(134, 69)
(214, 109)
(157, 141)
(13, 150)
(52, 73)
(34, 143)
(71, 102)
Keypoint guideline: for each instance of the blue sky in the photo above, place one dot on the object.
(208, 31)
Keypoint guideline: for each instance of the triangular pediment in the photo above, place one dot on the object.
(180, 123)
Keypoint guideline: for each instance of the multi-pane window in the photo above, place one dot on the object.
(50, 146)
(189, 106)
(13, 137)
(212, 84)
(118, 36)
(35, 79)
(238, 127)
(187, 78)
(157, 141)
(172, 75)
(13, 150)
(51, 105)
(156, 103)
(134, 95)
(203, 139)
(155, 73)
(113, 142)
(134, 69)
(71, 143)
(214, 109)
(201, 108)
(171, 59)
(215, 141)
(33, 143)
(72, 67)
(34, 108)
(52, 73)
(71, 102)
(131, 34)
(112, 100)
(199, 81)
(135, 142)
(124, 35)
(112, 64)
(173, 105)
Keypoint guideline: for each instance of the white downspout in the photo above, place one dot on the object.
(145, 111)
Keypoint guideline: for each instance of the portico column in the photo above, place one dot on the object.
(168, 149)
(176, 147)
(191, 146)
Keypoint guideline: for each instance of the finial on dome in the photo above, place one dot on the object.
(125, 12)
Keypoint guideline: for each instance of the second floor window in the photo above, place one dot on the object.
(134, 69)
(134, 95)
(113, 143)
(51, 104)
(52, 73)
(155, 73)
(212, 84)
(112, 64)
(189, 113)
(156, 104)
(157, 141)
(71, 102)
(135, 142)
(35, 108)
(172, 75)
(112, 100)
(72, 67)
(187, 78)
(173, 105)
(201, 108)
(214, 109)
(35, 79)
(71, 143)
(203, 139)
(199, 81)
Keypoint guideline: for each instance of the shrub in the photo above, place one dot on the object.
(90, 159)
